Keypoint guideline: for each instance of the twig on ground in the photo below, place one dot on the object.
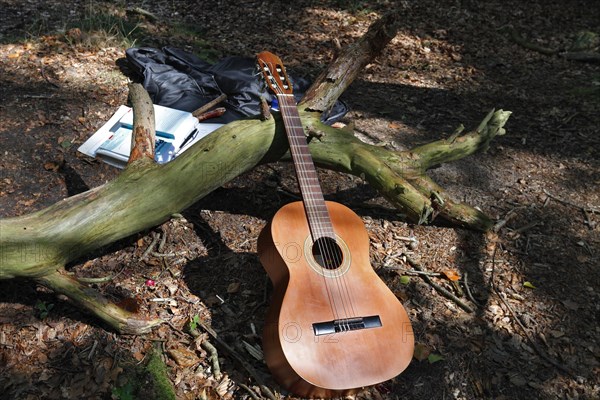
(468, 290)
(250, 391)
(569, 203)
(518, 39)
(253, 351)
(500, 224)
(48, 79)
(155, 238)
(163, 241)
(245, 364)
(92, 350)
(411, 271)
(585, 56)
(213, 357)
(588, 219)
(437, 287)
(526, 227)
(100, 279)
(144, 13)
(167, 255)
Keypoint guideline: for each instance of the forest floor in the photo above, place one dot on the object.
(535, 284)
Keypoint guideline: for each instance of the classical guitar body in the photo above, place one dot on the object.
(333, 326)
(304, 348)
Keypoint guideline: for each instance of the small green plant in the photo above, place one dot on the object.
(43, 308)
(433, 358)
(124, 392)
(193, 324)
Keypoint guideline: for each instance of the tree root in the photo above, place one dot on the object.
(117, 318)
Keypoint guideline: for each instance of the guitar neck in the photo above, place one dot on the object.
(308, 181)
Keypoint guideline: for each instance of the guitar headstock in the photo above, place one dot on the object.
(274, 73)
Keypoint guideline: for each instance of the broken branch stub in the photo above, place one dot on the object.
(144, 134)
(342, 71)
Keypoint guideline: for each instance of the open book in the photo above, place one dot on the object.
(176, 131)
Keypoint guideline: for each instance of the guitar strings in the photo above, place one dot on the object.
(329, 254)
(324, 246)
(275, 87)
(317, 231)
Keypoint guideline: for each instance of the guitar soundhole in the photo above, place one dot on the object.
(327, 253)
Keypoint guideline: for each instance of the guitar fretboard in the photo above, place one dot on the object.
(308, 181)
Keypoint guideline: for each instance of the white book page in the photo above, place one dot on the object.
(91, 145)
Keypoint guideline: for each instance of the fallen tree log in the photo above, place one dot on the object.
(39, 245)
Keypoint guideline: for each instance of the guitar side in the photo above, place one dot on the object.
(328, 364)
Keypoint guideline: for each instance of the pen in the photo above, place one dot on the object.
(189, 137)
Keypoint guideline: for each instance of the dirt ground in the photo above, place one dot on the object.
(535, 329)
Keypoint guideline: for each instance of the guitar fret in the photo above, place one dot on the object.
(322, 218)
(312, 185)
(314, 204)
(319, 211)
(308, 178)
(314, 195)
(305, 162)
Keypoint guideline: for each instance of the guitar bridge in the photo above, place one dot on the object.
(346, 325)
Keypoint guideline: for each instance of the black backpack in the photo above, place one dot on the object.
(178, 79)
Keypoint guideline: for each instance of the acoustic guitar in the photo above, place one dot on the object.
(333, 326)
